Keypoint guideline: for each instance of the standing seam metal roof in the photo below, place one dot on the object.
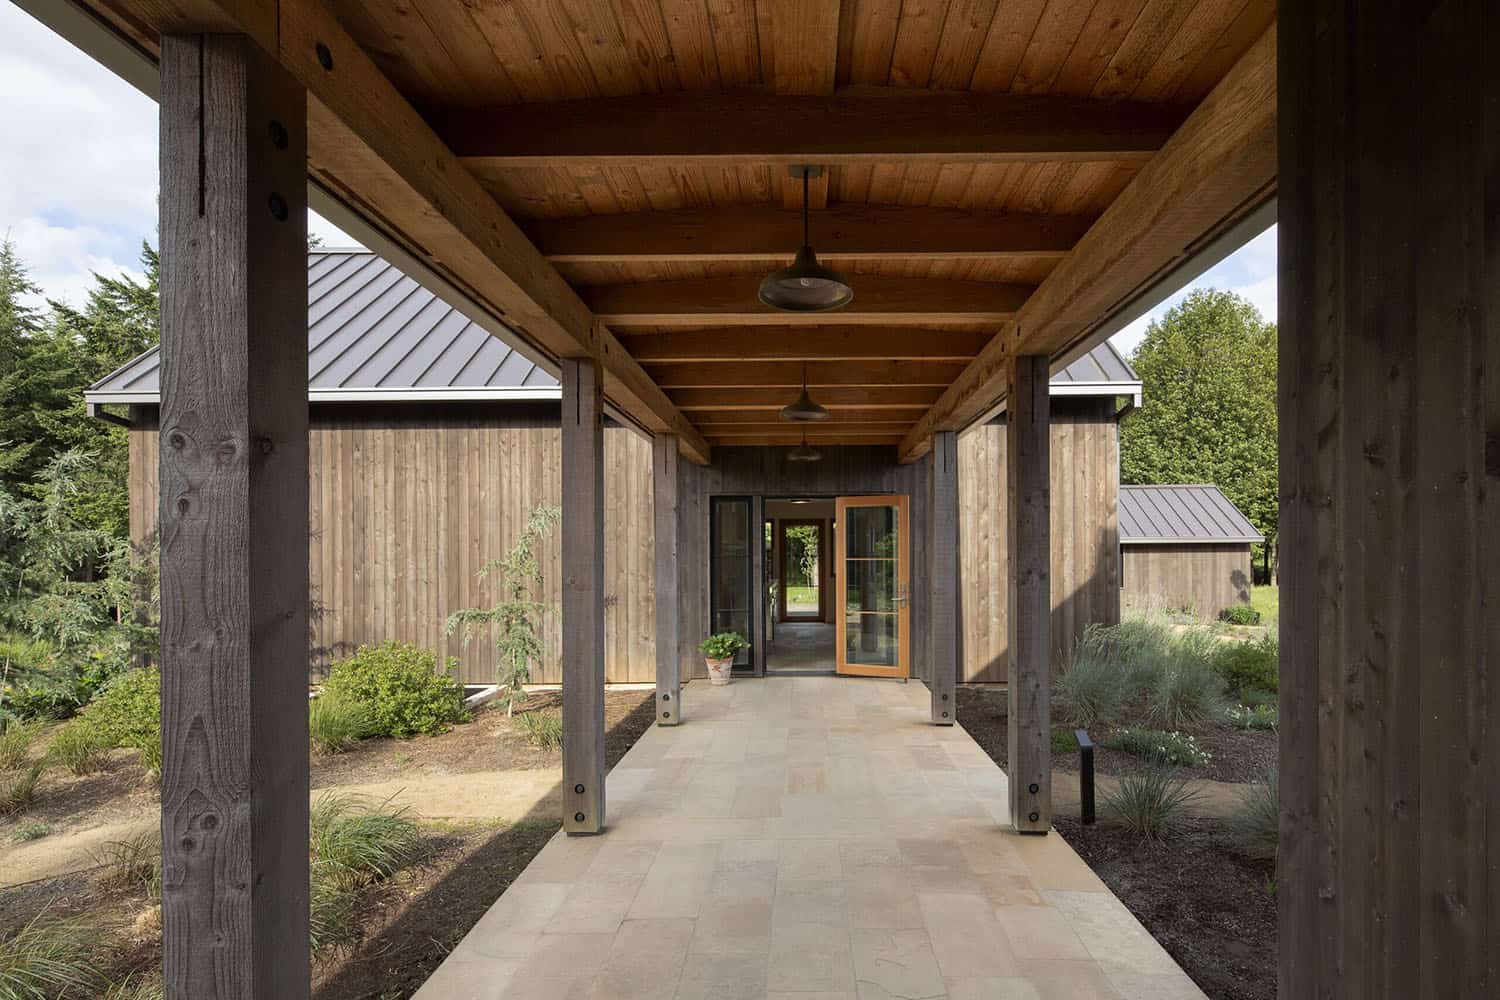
(1181, 514)
(373, 332)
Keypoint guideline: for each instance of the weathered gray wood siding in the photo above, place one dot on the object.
(1085, 485)
(407, 506)
(1201, 578)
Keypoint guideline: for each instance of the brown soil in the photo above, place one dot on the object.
(1237, 755)
(406, 926)
(1212, 909)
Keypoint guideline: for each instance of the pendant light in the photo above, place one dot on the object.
(806, 286)
(804, 452)
(803, 409)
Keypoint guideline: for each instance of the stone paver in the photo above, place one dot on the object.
(800, 838)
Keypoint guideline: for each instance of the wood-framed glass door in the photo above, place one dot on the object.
(873, 573)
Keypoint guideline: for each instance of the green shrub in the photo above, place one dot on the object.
(1063, 740)
(1255, 825)
(1240, 614)
(15, 743)
(400, 689)
(1162, 747)
(1187, 695)
(1091, 692)
(18, 790)
(335, 722)
(357, 842)
(722, 645)
(27, 832)
(1249, 668)
(1152, 803)
(79, 747)
(47, 959)
(127, 713)
(541, 728)
(1253, 716)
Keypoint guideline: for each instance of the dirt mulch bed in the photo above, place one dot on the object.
(406, 927)
(1237, 755)
(1213, 909)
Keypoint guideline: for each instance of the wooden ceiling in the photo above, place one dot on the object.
(641, 147)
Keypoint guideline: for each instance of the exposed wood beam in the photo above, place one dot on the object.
(828, 343)
(804, 55)
(368, 146)
(791, 439)
(1218, 167)
(772, 426)
(878, 299)
(854, 126)
(905, 416)
(874, 375)
(768, 233)
(834, 398)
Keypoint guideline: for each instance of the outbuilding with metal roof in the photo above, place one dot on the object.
(1183, 547)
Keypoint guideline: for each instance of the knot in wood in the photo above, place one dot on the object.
(266, 445)
(177, 440)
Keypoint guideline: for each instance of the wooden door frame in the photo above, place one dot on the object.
(902, 503)
(779, 544)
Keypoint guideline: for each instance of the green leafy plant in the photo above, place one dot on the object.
(399, 689)
(1249, 669)
(28, 832)
(542, 729)
(79, 747)
(1253, 716)
(47, 959)
(722, 645)
(1151, 803)
(1163, 747)
(336, 722)
(1063, 740)
(15, 743)
(128, 714)
(516, 620)
(1255, 826)
(1240, 614)
(18, 788)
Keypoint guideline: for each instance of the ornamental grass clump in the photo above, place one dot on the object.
(335, 722)
(18, 789)
(48, 959)
(15, 743)
(79, 747)
(1152, 803)
(1187, 695)
(359, 842)
(1255, 827)
(1253, 717)
(1091, 692)
(542, 729)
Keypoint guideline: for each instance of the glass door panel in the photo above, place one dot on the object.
(873, 617)
(730, 599)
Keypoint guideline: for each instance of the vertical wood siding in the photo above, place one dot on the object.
(407, 507)
(1085, 533)
(1202, 578)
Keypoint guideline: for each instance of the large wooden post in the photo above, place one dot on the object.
(943, 558)
(234, 553)
(583, 596)
(664, 465)
(1389, 325)
(1028, 508)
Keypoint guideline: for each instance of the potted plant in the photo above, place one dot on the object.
(718, 652)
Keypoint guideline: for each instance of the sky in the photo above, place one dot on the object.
(78, 177)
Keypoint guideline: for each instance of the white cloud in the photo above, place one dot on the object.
(78, 167)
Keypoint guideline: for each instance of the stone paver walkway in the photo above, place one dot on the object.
(807, 838)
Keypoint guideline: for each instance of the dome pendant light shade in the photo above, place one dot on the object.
(803, 409)
(804, 452)
(806, 286)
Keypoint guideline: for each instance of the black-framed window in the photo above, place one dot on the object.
(731, 592)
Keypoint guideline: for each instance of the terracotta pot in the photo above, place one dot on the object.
(718, 670)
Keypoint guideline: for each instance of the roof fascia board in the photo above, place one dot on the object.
(1155, 540)
(445, 395)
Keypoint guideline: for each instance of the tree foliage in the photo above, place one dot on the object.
(1208, 414)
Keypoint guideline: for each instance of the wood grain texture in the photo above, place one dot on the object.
(234, 557)
(1084, 527)
(827, 343)
(664, 475)
(1219, 166)
(943, 556)
(1203, 579)
(475, 472)
(1028, 471)
(1389, 470)
(582, 597)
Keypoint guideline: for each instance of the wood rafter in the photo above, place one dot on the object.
(1219, 166)
(853, 126)
(825, 343)
(878, 300)
(788, 374)
(370, 145)
(768, 233)
(834, 398)
(904, 416)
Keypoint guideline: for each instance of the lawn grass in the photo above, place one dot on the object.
(802, 595)
(1265, 600)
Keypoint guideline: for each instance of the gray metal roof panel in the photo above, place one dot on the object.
(1102, 364)
(1181, 513)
